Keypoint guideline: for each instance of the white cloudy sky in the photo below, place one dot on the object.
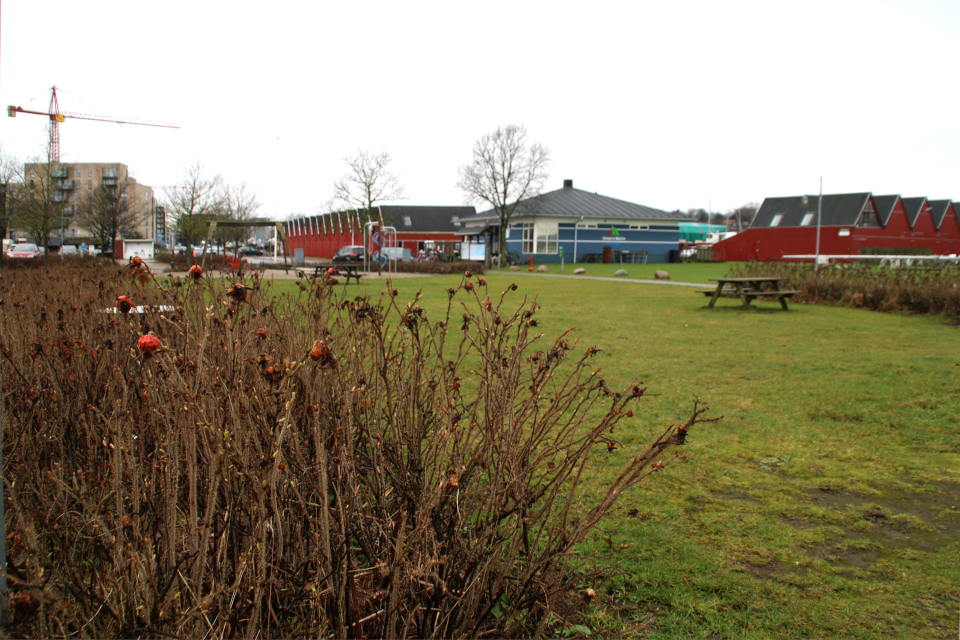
(669, 104)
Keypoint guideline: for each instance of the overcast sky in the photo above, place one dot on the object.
(667, 104)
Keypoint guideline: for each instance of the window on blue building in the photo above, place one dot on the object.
(541, 237)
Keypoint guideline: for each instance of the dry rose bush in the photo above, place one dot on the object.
(231, 463)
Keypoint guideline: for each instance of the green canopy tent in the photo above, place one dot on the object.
(697, 231)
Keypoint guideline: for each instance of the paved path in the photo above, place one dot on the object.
(163, 269)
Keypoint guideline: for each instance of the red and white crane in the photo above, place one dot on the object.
(56, 117)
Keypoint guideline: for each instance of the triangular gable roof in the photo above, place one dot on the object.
(839, 209)
(885, 207)
(569, 202)
(938, 209)
(913, 207)
(414, 219)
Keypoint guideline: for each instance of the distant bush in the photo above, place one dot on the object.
(439, 267)
(891, 289)
(231, 464)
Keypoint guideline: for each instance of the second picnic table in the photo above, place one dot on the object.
(749, 288)
(346, 270)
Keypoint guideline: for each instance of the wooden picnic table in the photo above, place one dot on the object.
(748, 289)
(345, 270)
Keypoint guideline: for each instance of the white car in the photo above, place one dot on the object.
(68, 251)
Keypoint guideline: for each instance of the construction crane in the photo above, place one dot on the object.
(56, 117)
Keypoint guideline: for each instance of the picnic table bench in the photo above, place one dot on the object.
(345, 270)
(748, 289)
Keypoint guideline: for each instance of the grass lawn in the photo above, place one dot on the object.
(826, 503)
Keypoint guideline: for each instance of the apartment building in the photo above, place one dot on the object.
(72, 183)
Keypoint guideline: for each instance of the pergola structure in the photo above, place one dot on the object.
(234, 224)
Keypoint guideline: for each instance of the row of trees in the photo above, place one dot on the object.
(505, 169)
(199, 199)
(31, 201)
(737, 219)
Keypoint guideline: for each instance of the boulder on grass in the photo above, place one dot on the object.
(661, 275)
(514, 267)
(620, 273)
(579, 271)
(543, 269)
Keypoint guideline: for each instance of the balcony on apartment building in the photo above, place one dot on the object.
(109, 177)
(66, 185)
(60, 172)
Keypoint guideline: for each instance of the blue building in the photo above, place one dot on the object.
(584, 226)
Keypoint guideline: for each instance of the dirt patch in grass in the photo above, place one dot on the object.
(898, 519)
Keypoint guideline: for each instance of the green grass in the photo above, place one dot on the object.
(826, 503)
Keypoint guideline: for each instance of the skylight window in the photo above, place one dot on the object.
(807, 219)
(776, 220)
(407, 222)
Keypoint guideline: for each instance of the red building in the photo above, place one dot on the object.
(428, 229)
(849, 224)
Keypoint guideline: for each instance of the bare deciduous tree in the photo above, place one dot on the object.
(194, 202)
(744, 215)
(38, 204)
(239, 205)
(367, 183)
(8, 173)
(504, 171)
(107, 213)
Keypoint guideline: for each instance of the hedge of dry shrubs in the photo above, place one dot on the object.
(231, 463)
(888, 289)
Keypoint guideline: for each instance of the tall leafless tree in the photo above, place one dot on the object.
(8, 173)
(505, 170)
(239, 205)
(744, 215)
(38, 203)
(367, 183)
(107, 213)
(193, 203)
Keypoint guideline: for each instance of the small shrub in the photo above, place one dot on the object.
(233, 464)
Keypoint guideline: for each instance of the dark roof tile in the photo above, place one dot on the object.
(885, 207)
(913, 207)
(570, 202)
(837, 210)
(938, 210)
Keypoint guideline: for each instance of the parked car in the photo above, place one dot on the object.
(250, 251)
(24, 250)
(349, 253)
(69, 251)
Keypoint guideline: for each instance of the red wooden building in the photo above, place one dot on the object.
(430, 229)
(849, 223)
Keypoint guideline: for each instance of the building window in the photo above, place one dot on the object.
(776, 220)
(807, 219)
(109, 172)
(89, 172)
(541, 237)
(78, 172)
(89, 184)
(869, 217)
(640, 227)
(407, 222)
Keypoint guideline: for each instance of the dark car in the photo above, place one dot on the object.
(250, 251)
(350, 253)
